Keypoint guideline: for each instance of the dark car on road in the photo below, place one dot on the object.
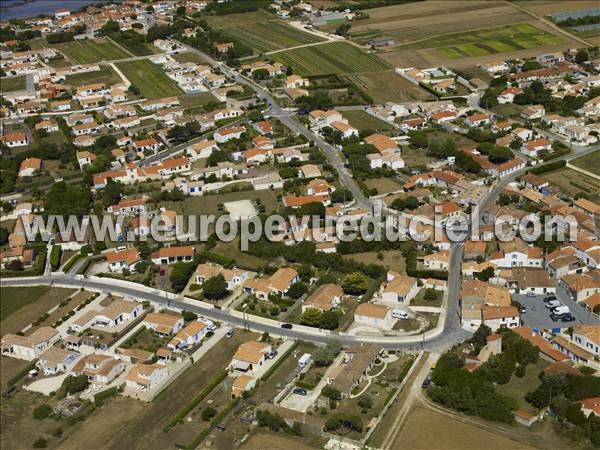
(287, 326)
(300, 391)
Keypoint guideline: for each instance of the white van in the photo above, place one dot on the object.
(304, 360)
(560, 310)
(399, 314)
(552, 304)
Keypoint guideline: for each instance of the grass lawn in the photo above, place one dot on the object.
(508, 38)
(19, 306)
(89, 51)
(392, 260)
(149, 78)
(270, 35)
(388, 86)
(209, 204)
(332, 58)
(383, 185)
(415, 157)
(365, 121)
(517, 387)
(105, 75)
(189, 57)
(242, 259)
(419, 300)
(572, 182)
(590, 162)
(190, 101)
(9, 84)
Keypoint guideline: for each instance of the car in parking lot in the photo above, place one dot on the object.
(530, 294)
(300, 391)
(552, 304)
(550, 298)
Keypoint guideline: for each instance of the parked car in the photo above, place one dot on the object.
(567, 318)
(273, 354)
(523, 310)
(549, 298)
(552, 304)
(229, 333)
(300, 391)
(530, 294)
(426, 382)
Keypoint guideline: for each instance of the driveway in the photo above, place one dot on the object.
(538, 316)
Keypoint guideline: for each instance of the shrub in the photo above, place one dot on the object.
(42, 412)
(337, 420)
(40, 443)
(208, 413)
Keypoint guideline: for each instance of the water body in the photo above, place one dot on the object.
(22, 9)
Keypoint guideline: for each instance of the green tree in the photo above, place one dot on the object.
(365, 402)
(297, 290)
(42, 411)
(355, 283)
(208, 413)
(311, 317)
(67, 199)
(215, 288)
(331, 393)
(324, 356)
(485, 274)
(330, 320)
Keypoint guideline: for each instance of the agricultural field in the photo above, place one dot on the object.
(331, 58)
(189, 57)
(105, 75)
(392, 260)
(236, 20)
(190, 101)
(421, 20)
(365, 121)
(270, 35)
(590, 162)
(388, 86)
(544, 7)
(25, 304)
(89, 51)
(503, 39)
(149, 78)
(425, 429)
(9, 84)
(572, 182)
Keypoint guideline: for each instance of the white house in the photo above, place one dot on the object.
(378, 316)
(249, 356)
(399, 288)
(233, 277)
(191, 335)
(118, 260)
(29, 347)
(145, 377)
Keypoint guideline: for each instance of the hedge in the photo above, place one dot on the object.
(196, 400)
(55, 255)
(24, 371)
(72, 261)
(84, 267)
(213, 423)
(101, 396)
(548, 167)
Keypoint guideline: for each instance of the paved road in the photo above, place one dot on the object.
(142, 293)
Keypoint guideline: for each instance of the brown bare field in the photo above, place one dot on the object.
(273, 441)
(383, 185)
(128, 423)
(426, 429)
(9, 367)
(549, 7)
(389, 87)
(423, 20)
(392, 260)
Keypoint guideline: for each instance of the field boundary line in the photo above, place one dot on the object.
(583, 171)
(108, 38)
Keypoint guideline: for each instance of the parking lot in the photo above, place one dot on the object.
(538, 316)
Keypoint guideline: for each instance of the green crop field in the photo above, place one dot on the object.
(508, 38)
(270, 35)
(333, 58)
(90, 51)
(9, 84)
(105, 75)
(590, 162)
(149, 78)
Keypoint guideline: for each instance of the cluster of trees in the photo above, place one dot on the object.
(324, 356)
(561, 393)
(215, 288)
(442, 150)
(409, 203)
(495, 154)
(183, 133)
(355, 283)
(474, 393)
(328, 320)
(341, 420)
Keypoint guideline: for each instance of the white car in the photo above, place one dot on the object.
(399, 314)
